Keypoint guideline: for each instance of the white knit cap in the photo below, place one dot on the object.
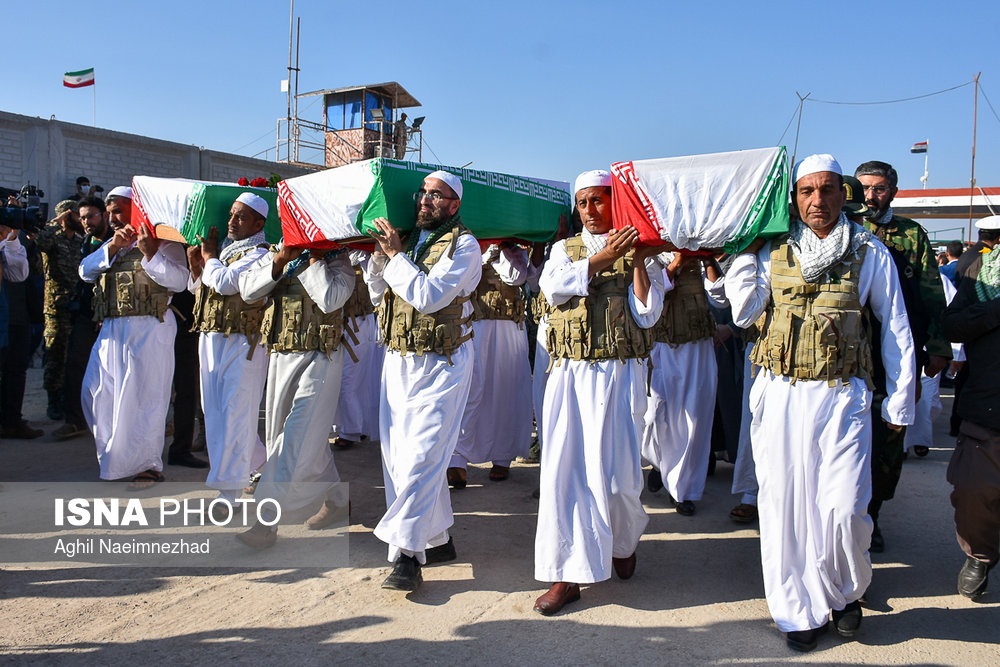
(989, 222)
(598, 178)
(120, 191)
(256, 202)
(453, 181)
(816, 163)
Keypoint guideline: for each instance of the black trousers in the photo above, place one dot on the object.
(81, 341)
(187, 388)
(13, 374)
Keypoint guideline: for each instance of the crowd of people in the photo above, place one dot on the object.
(800, 359)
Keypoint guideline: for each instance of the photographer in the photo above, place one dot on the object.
(60, 243)
(15, 334)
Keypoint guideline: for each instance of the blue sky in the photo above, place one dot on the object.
(543, 89)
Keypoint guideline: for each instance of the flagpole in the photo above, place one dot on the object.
(926, 155)
(972, 179)
(94, 87)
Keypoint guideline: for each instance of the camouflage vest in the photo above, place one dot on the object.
(405, 329)
(214, 312)
(600, 325)
(496, 300)
(126, 290)
(814, 331)
(686, 317)
(294, 323)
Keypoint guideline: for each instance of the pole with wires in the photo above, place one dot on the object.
(972, 178)
(798, 126)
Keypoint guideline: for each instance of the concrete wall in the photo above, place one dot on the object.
(52, 154)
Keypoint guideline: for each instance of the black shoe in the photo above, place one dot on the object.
(878, 543)
(188, 460)
(847, 621)
(921, 450)
(655, 481)
(21, 432)
(805, 640)
(972, 578)
(442, 553)
(405, 575)
(685, 507)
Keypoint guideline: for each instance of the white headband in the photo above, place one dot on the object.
(256, 202)
(816, 163)
(453, 181)
(598, 178)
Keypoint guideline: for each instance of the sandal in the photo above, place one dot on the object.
(499, 473)
(744, 513)
(145, 480)
(254, 479)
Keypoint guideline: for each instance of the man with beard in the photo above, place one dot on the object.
(93, 214)
(126, 387)
(303, 327)
(811, 400)
(423, 287)
(605, 297)
(233, 362)
(60, 242)
(917, 270)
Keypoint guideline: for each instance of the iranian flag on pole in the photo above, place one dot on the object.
(84, 77)
(718, 200)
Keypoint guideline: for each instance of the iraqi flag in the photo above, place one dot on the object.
(179, 209)
(919, 147)
(718, 200)
(337, 206)
(84, 77)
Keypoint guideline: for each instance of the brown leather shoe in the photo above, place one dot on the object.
(559, 595)
(456, 477)
(624, 567)
(259, 537)
(327, 514)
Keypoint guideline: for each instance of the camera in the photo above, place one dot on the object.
(29, 217)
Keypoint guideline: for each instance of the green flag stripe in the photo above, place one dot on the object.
(81, 72)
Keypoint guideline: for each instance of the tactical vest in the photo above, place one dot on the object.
(294, 323)
(496, 300)
(540, 307)
(359, 304)
(214, 312)
(600, 325)
(126, 290)
(814, 331)
(405, 329)
(686, 317)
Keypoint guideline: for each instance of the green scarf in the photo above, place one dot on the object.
(415, 253)
(988, 281)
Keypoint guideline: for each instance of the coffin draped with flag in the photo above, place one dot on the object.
(179, 209)
(337, 206)
(718, 200)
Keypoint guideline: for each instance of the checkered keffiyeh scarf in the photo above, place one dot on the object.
(231, 248)
(988, 280)
(595, 242)
(817, 256)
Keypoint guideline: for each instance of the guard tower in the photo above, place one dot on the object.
(364, 122)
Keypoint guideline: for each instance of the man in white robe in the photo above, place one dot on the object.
(812, 437)
(423, 390)
(303, 381)
(126, 387)
(233, 368)
(590, 517)
(496, 425)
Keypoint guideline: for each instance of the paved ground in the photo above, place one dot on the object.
(696, 598)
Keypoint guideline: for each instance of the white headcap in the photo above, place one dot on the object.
(453, 181)
(256, 202)
(816, 163)
(598, 178)
(989, 222)
(120, 191)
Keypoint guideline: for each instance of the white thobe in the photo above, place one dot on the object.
(591, 477)
(744, 470)
(812, 447)
(422, 401)
(302, 390)
(496, 424)
(677, 427)
(357, 409)
(231, 386)
(126, 387)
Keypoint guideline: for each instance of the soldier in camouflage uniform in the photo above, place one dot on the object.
(916, 265)
(60, 242)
